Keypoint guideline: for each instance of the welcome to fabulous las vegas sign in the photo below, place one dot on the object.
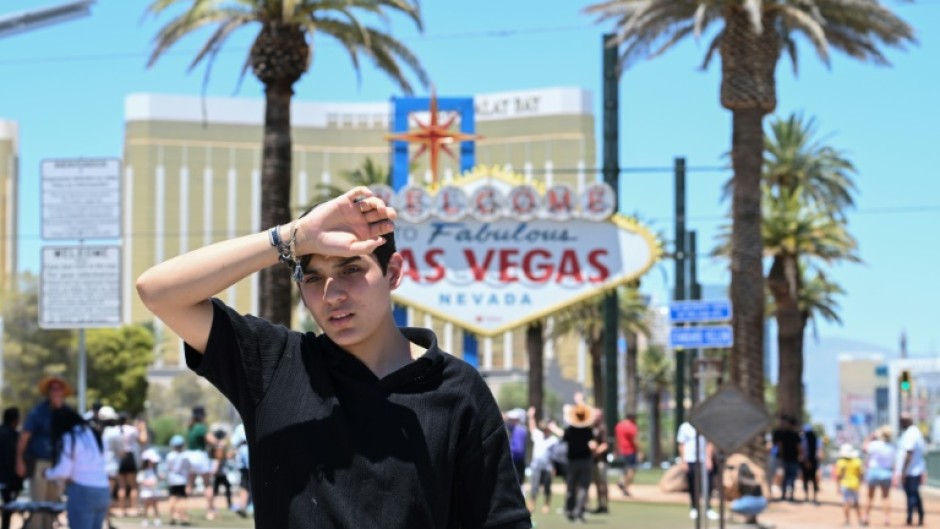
(489, 252)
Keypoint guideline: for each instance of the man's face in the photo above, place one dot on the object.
(349, 297)
(56, 394)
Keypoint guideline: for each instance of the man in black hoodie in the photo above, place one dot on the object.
(365, 425)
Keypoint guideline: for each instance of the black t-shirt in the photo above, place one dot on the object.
(333, 446)
(578, 440)
(789, 442)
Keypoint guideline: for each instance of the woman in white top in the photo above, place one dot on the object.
(542, 471)
(78, 460)
(879, 465)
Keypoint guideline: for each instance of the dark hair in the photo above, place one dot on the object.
(11, 415)
(64, 422)
(383, 254)
(747, 482)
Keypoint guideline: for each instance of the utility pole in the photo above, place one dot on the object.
(37, 18)
(612, 178)
(679, 257)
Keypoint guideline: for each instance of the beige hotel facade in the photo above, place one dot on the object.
(192, 177)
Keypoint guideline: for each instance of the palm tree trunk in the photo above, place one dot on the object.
(535, 349)
(747, 279)
(275, 295)
(596, 348)
(631, 374)
(783, 281)
(656, 447)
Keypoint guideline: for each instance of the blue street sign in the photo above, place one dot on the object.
(719, 336)
(700, 311)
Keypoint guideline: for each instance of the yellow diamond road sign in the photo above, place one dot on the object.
(729, 419)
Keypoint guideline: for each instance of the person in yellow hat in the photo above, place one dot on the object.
(34, 452)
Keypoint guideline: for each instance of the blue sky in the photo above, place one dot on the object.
(65, 86)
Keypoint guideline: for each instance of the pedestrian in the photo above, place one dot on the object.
(199, 444)
(696, 456)
(625, 432)
(128, 465)
(787, 440)
(10, 483)
(219, 464)
(541, 472)
(79, 462)
(911, 466)
(811, 451)
(106, 423)
(34, 451)
(365, 425)
(148, 483)
(879, 466)
(177, 477)
(579, 438)
(518, 436)
(599, 463)
(745, 495)
(849, 474)
(240, 442)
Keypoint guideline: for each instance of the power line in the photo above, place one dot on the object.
(485, 33)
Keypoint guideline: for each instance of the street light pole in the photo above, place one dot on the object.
(37, 18)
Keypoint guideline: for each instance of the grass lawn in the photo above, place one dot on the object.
(622, 514)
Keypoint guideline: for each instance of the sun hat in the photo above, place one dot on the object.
(517, 414)
(847, 451)
(46, 381)
(150, 455)
(177, 440)
(579, 415)
(107, 413)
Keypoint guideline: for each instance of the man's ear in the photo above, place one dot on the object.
(395, 270)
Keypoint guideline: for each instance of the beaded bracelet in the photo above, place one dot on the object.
(284, 253)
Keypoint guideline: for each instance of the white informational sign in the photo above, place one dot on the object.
(81, 198)
(81, 287)
(490, 276)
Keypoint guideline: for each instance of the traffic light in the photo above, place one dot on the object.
(904, 382)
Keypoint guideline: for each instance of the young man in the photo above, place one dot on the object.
(345, 429)
(911, 466)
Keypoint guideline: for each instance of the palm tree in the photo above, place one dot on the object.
(753, 36)
(280, 54)
(634, 310)
(794, 234)
(794, 158)
(367, 174)
(655, 375)
(587, 319)
(535, 351)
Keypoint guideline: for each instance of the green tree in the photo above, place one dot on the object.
(29, 351)
(655, 376)
(587, 320)
(118, 360)
(280, 54)
(752, 38)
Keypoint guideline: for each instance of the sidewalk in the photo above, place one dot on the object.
(799, 515)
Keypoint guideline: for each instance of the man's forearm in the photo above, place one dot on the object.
(195, 276)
